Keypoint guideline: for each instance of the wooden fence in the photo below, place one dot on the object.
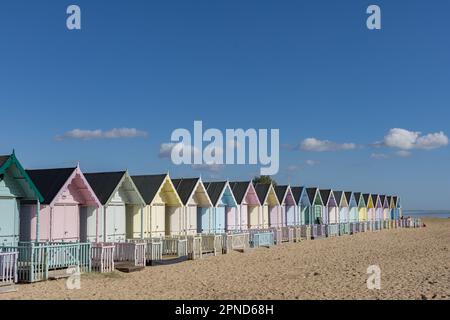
(263, 239)
(133, 252)
(332, 230)
(236, 241)
(102, 257)
(8, 267)
(212, 244)
(306, 232)
(287, 234)
(35, 260)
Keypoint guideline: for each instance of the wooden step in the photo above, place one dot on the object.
(127, 267)
(6, 288)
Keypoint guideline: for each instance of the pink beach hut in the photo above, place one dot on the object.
(249, 207)
(270, 206)
(65, 191)
(288, 206)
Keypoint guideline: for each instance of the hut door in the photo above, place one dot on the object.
(317, 213)
(119, 223)
(71, 223)
(8, 218)
(219, 222)
(191, 219)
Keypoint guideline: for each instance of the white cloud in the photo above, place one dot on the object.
(165, 149)
(100, 134)
(379, 156)
(312, 162)
(403, 153)
(313, 144)
(408, 140)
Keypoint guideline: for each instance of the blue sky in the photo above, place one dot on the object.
(310, 68)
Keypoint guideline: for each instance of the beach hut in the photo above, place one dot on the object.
(331, 211)
(362, 211)
(196, 202)
(119, 198)
(370, 213)
(392, 206)
(288, 206)
(16, 190)
(223, 217)
(304, 212)
(398, 207)
(65, 192)
(353, 211)
(378, 207)
(163, 212)
(270, 206)
(343, 212)
(249, 206)
(385, 211)
(317, 212)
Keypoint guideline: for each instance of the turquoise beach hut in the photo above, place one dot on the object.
(16, 188)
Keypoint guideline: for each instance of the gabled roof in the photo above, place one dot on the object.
(325, 195)
(50, 181)
(148, 185)
(104, 184)
(348, 196)
(281, 191)
(311, 194)
(366, 198)
(382, 198)
(3, 159)
(358, 197)
(8, 160)
(395, 200)
(262, 190)
(215, 190)
(239, 189)
(297, 193)
(186, 187)
(338, 196)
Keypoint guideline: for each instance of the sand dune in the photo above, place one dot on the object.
(415, 264)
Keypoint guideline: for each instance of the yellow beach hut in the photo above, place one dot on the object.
(163, 213)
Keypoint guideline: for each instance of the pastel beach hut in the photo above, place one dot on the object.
(222, 217)
(119, 198)
(385, 215)
(331, 212)
(343, 212)
(362, 211)
(16, 189)
(304, 213)
(249, 206)
(65, 192)
(392, 206)
(196, 202)
(318, 211)
(378, 211)
(353, 211)
(398, 207)
(288, 210)
(270, 206)
(370, 203)
(163, 214)
(288, 206)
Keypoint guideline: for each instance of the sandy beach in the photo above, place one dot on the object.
(415, 264)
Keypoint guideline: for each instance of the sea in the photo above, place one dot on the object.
(427, 213)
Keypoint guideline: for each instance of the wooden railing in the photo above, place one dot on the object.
(35, 260)
(130, 252)
(287, 234)
(264, 239)
(332, 230)
(102, 257)
(8, 267)
(153, 248)
(212, 244)
(236, 241)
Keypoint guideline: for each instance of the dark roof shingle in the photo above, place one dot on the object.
(148, 185)
(214, 190)
(104, 183)
(50, 181)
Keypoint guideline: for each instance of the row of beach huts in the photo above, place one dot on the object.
(52, 220)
